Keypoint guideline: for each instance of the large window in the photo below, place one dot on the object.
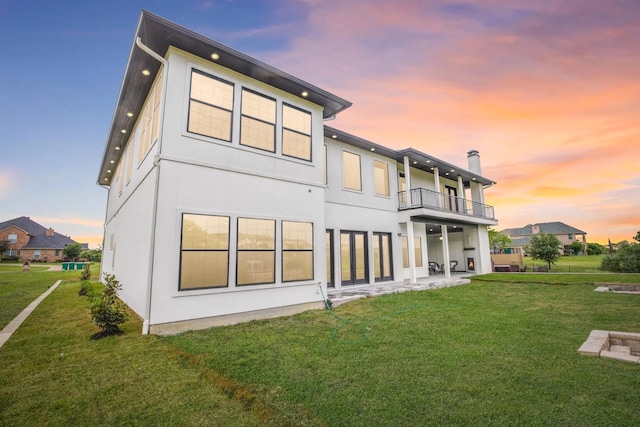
(12, 238)
(351, 171)
(258, 122)
(256, 251)
(296, 132)
(204, 258)
(149, 121)
(417, 251)
(210, 106)
(381, 177)
(382, 265)
(297, 251)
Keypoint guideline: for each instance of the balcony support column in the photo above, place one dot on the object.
(445, 251)
(436, 181)
(407, 181)
(462, 207)
(412, 251)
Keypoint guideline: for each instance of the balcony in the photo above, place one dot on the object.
(428, 199)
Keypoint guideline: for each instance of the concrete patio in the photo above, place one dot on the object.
(354, 292)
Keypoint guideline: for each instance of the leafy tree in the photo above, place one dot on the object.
(498, 240)
(4, 246)
(596, 249)
(94, 255)
(72, 251)
(576, 247)
(544, 247)
(107, 311)
(626, 259)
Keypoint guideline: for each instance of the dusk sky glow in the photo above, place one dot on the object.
(547, 91)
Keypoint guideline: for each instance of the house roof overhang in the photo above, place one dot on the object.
(159, 34)
(417, 159)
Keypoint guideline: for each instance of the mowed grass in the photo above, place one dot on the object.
(570, 264)
(499, 351)
(15, 268)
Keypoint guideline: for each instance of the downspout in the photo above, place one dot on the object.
(156, 163)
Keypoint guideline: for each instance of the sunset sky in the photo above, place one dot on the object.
(547, 91)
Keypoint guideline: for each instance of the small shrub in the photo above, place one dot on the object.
(85, 289)
(86, 272)
(107, 312)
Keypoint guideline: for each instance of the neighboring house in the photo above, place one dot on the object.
(30, 241)
(230, 200)
(521, 237)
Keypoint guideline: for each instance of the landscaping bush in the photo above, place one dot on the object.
(625, 260)
(107, 311)
(86, 272)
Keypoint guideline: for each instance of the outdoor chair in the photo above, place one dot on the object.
(434, 268)
(452, 265)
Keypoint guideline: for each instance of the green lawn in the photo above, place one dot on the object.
(570, 264)
(15, 268)
(500, 351)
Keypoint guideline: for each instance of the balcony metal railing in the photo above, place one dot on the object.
(429, 199)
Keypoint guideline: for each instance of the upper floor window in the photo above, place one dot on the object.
(149, 121)
(12, 238)
(258, 121)
(570, 236)
(210, 106)
(351, 171)
(381, 177)
(296, 132)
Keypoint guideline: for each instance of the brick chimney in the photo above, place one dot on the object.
(49, 232)
(535, 229)
(473, 157)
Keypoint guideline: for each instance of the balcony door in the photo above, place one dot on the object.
(354, 257)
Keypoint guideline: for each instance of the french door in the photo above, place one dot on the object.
(354, 257)
(382, 266)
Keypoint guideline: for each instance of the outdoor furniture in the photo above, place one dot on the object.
(452, 265)
(434, 268)
(502, 268)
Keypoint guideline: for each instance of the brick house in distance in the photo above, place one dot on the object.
(31, 241)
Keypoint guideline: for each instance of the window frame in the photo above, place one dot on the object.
(375, 181)
(182, 250)
(15, 238)
(191, 99)
(249, 117)
(296, 250)
(379, 237)
(344, 184)
(283, 128)
(238, 251)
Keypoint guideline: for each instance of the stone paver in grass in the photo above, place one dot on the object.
(624, 346)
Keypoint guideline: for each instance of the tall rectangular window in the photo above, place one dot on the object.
(12, 238)
(210, 106)
(149, 121)
(381, 177)
(417, 251)
(382, 265)
(351, 171)
(297, 251)
(296, 132)
(258, 121)
(204, 255)
(256, 251)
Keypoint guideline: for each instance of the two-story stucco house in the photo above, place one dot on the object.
(230, 200)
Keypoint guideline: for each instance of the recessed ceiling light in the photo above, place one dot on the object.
(108, 170)
(117, 147)
(447, 174)
(129, 114)
(455, 226)
(334, 136)
(431, 229)
(415, 162)
(373, 149)
(474, 178)
(123, 131)
(304, 94)
(215, 56)
(146, 72)
(453, 170)
(428, 161)
(112, 162)
(106, 179)
(432, 168)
